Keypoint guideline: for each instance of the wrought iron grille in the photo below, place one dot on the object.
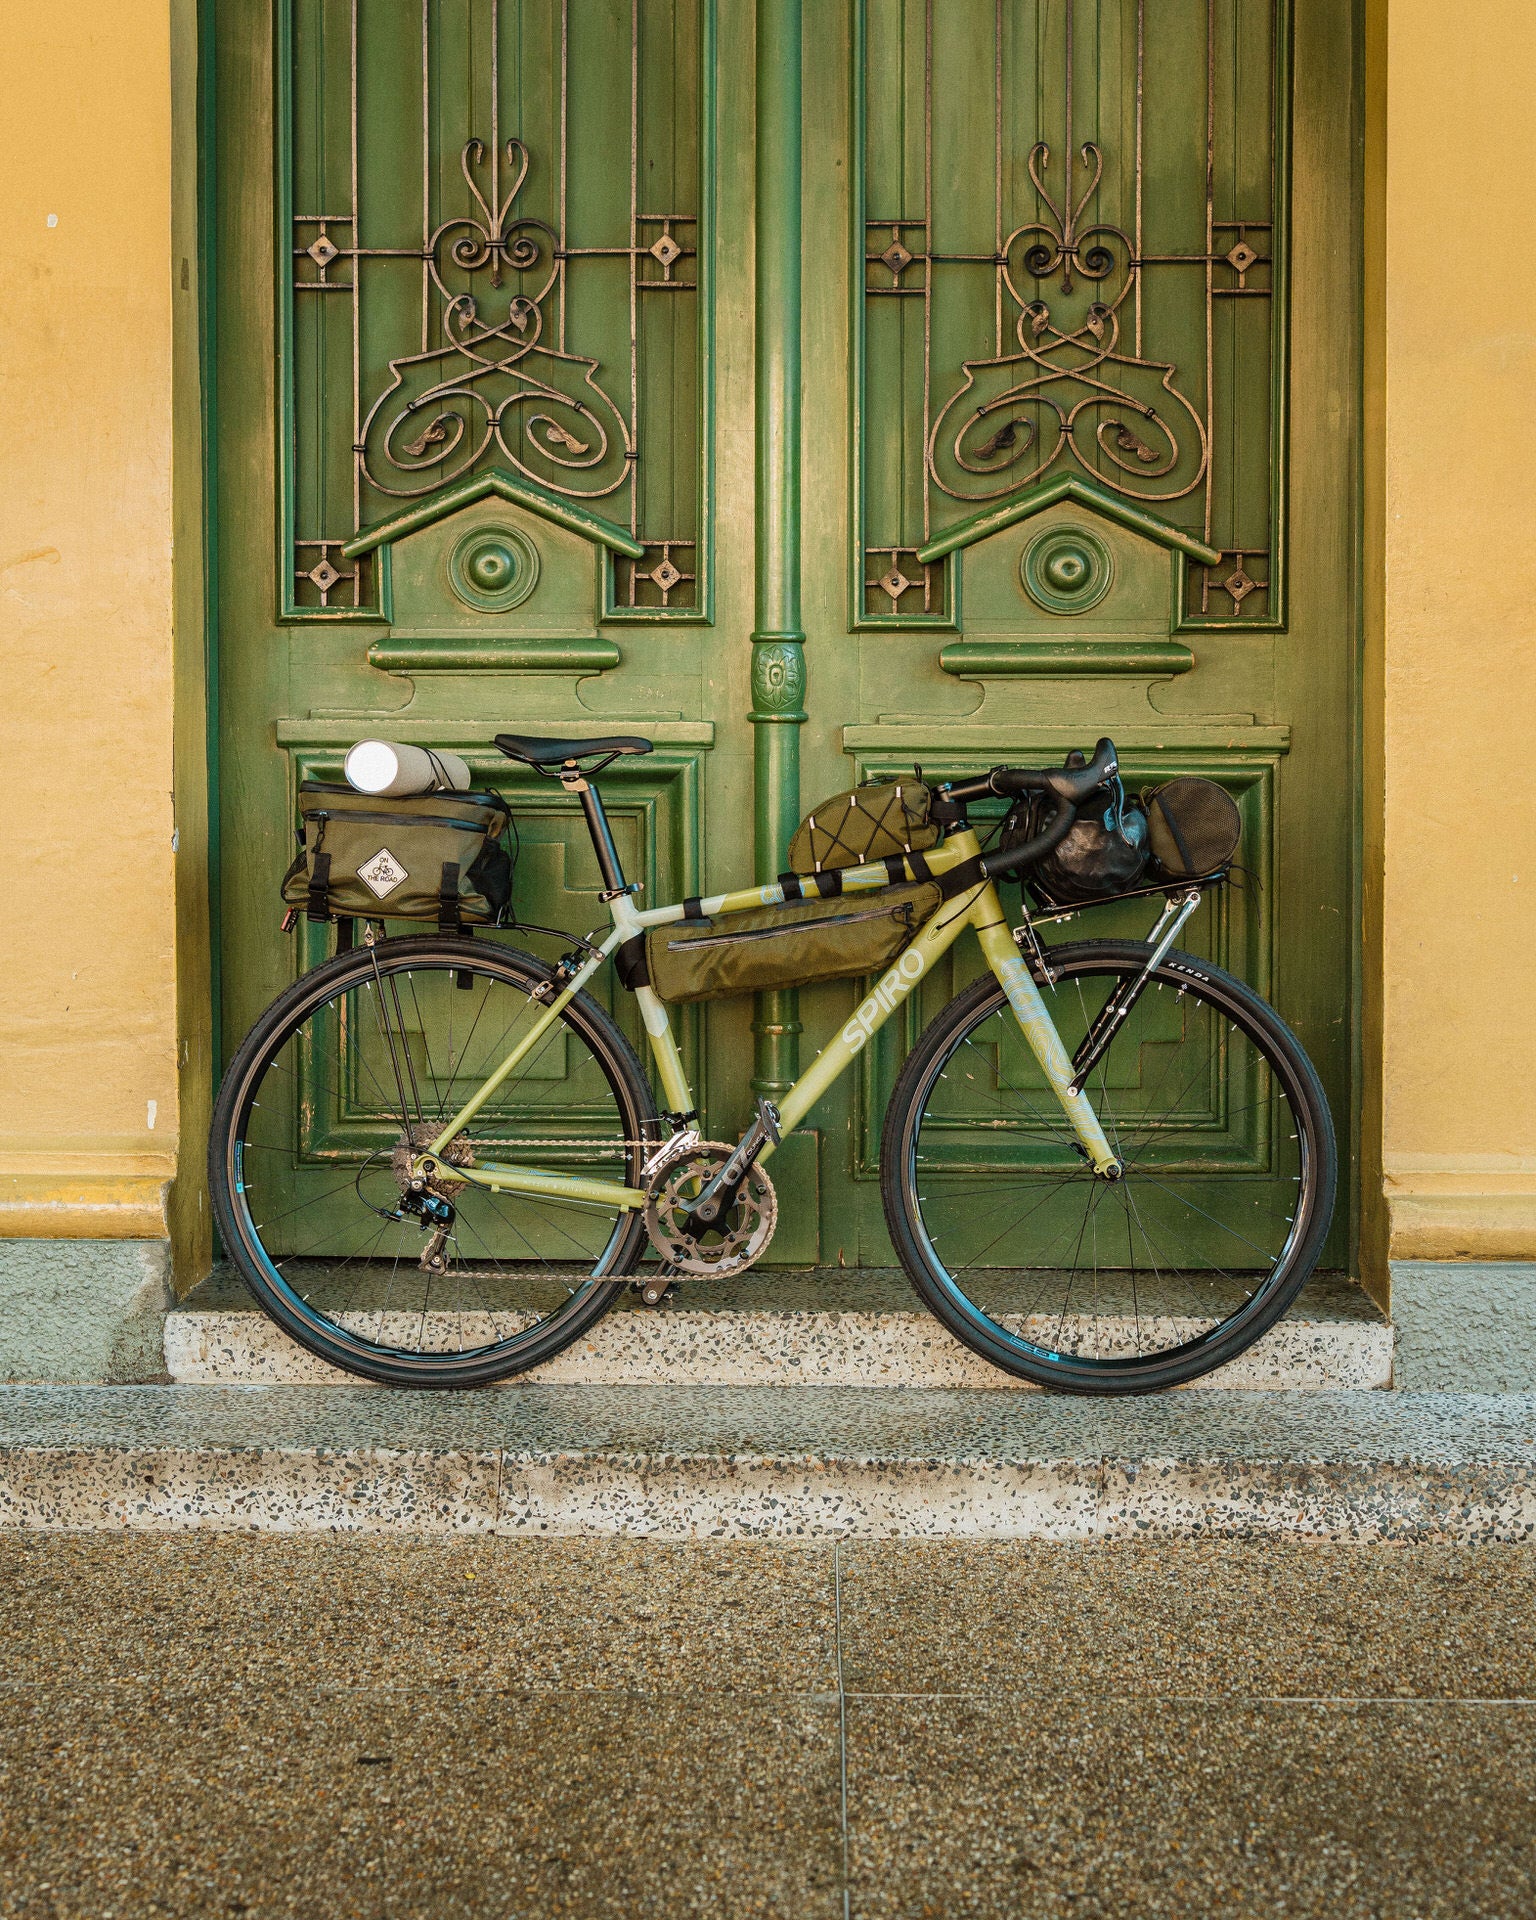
(1073, 262)
(495, 217)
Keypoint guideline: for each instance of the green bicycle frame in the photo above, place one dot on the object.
(978, 907)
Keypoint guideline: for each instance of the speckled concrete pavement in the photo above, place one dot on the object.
(770, 1462)
(406, 1728)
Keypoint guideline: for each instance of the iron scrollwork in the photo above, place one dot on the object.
(1116, 297)
(1070, 391)
(487, 275)
(574, 442)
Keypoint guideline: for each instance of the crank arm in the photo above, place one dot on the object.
(719, 1196)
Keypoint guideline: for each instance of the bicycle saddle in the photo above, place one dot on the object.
(537, 752)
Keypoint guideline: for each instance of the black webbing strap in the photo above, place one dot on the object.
(346, 932)
(448, 899)
(828, 884)
(631, 965)
(1173, 827)
(319, 907)
(693, 908)
(906, 866)
(961, 879)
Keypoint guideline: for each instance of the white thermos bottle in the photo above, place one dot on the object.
(386, 768)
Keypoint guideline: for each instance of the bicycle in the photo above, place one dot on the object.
(1106, 1166)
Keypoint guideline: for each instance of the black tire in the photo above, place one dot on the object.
(1037, 1310)
(504, 1296)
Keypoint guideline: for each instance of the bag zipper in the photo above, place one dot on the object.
(401, 820)
(903, 912)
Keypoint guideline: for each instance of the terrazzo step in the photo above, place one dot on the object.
(800, 1462)
(776, 1327)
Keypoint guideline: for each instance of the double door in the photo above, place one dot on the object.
(817, 389)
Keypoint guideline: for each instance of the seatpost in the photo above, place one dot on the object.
(607, 853)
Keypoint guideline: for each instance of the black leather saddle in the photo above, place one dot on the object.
(534, 751)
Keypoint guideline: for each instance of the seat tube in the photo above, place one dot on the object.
(602, 834)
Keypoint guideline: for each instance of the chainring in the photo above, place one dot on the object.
(739, 1239)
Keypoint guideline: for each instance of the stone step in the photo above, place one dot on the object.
(798, 1462)
(829, 1327)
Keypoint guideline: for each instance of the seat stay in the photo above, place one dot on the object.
(552, 1011)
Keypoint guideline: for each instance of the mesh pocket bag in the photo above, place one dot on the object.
(790, 946)
(1194, 828)
(430, 856)
(872, 822)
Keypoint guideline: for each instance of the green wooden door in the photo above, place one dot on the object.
(934, 396)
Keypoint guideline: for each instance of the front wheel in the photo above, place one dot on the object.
(1091, 1285)
(366, 1059)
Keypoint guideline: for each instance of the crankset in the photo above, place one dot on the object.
(730, 1244)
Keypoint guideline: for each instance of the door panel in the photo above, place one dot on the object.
(1078, 286)
(1099, 293)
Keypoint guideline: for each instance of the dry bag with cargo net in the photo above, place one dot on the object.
(868, 823)
(794, 945)
(426, 856)
(1193, 827)
(1105, 852)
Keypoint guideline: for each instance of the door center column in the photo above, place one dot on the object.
(778, 650)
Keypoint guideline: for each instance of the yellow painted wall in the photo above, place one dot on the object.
(88, 1068)
(1458, 631)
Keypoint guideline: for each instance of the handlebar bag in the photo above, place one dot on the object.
(794, 945)
(1193, 825)
(429, 856)
(867, 823)
(1105, 852)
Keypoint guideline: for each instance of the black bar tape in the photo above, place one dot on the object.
(693, 908)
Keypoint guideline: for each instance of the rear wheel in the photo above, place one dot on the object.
(365, 1059)
(1111, 1286)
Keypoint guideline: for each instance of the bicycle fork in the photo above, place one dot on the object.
(1039, 1031)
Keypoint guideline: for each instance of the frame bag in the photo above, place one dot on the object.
(794, 945)
(427, 856)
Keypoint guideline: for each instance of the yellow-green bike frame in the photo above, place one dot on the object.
(977, 906)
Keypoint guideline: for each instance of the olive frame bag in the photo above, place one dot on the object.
(426, 856)
(794, 945)
(865, 824)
